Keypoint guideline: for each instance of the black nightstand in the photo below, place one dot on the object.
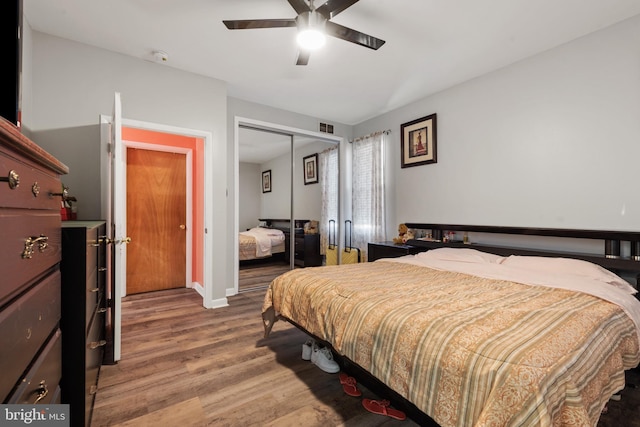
(307, 249)
(390, 250)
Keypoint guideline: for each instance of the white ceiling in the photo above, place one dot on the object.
(430, 45)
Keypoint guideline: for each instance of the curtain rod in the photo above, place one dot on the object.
(386, 132)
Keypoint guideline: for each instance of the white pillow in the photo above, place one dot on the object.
(461, 255)
(569, 266)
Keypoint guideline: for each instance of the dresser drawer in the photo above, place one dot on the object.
(25, 326)
(34, 188)
(45, 374)
(17, 266)
(94, 294)
(94, 355)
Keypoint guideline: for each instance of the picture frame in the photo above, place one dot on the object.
(419, 141)
(310, 169)
(266, 181)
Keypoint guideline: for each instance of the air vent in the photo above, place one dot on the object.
(326, 128)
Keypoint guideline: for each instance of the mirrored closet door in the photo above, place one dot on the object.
(280, 189)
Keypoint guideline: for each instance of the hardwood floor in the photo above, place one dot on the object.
(183, 365)
(258, 275)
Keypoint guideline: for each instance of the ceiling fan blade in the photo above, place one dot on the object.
(333, 7)
(244, 24)
(353, 36)
(299, 6)
(303, 57)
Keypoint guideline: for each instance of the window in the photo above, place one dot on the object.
(368, 200)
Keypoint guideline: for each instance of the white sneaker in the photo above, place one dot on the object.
(323, 359)
(306, 349)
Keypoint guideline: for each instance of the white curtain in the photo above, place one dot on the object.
(329, 186)
(368, 200)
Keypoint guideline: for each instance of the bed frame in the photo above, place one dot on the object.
(620, 249)
(278, 223)
(614, 257)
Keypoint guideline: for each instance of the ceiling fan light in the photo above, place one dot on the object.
(311, 39)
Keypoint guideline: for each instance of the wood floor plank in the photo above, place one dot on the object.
(173, 415)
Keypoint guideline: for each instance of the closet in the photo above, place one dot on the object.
(293, 194)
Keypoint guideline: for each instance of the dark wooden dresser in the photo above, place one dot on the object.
(307, 249)
(30, 254)
(84, 309)
(390, 250)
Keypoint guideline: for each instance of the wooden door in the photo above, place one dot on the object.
(116, 254)
(156, 220)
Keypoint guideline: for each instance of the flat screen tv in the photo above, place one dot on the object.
(10, 36)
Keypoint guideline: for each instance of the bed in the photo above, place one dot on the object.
(474, 338)
(260, 242)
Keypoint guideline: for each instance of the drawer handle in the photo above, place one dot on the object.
(42, 391)
(102, 269)
(27, 253)
(102, 310)
(64, 194)
(35, 189)
(12, 178)
(94, 290)
(96, 344)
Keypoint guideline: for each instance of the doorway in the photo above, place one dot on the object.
(156, 220)
(200, 182)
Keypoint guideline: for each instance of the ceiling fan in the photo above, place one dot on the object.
(317, 20)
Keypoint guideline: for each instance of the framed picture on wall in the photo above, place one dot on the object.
(310, 168)
(266, 181)
(418, 142)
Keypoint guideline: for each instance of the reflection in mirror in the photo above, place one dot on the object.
(283, 177)
(315, 196)
(264, 188)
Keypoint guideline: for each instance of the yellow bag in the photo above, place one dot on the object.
(350, 255)
(331, 253)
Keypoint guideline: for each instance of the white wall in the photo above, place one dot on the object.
(551, 141)
(250, 178)
(73, 84)
(307, 199)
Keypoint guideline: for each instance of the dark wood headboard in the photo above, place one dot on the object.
(298, 223)
(610, 257)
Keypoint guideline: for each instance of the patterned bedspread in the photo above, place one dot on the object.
(247, 247)
(467, 351)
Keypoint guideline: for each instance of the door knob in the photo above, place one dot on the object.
(110, 241)
(183, 227)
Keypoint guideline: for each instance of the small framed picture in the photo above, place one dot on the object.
(266, 181)
(418, 142)
(310, 165)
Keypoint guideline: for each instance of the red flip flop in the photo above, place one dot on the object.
(382, 407)
(349, 385)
